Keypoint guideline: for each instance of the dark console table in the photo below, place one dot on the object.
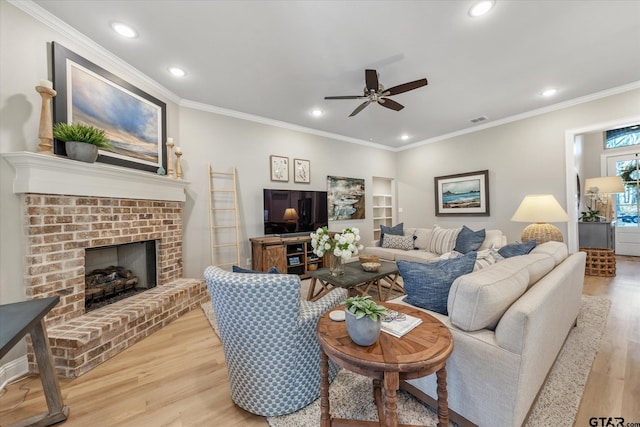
(17, 320)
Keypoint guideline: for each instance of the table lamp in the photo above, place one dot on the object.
(540, 209)
(598, 190)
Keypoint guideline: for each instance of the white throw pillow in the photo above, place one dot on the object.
(390, 241)
(443, 240)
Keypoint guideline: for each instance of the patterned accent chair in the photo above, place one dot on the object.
(269, 338)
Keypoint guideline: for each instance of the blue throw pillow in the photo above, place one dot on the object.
(469, 240)
(427, 284)
(515, 249)
(237, 269)
(396, 230)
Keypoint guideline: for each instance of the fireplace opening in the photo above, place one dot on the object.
(113, 273)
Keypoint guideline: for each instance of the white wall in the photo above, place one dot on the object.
(224, 142)
(523, 157)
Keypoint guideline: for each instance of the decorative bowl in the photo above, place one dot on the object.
(368, 258)
(371, 266)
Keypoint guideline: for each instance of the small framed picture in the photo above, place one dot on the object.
(301, 171)
(294, 260)
(279, 168)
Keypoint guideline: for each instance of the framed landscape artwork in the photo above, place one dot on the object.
(133, 120)
(345, 198)
(462, 194)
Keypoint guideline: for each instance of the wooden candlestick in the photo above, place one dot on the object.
(45, 133)
(170, 157)
(178, 165)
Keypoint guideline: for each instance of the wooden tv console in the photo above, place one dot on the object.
(292, 255)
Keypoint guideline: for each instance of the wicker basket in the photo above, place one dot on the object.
(600, 262)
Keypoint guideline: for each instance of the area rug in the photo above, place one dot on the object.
(557, 404)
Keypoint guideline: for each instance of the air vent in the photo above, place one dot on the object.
(479, 119)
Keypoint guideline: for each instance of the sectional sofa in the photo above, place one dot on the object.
(425, 248)
(509, 322)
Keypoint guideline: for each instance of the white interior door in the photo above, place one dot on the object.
(627, 204)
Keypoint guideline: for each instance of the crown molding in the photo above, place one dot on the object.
(263, 120)
(104, 55)
(528, 114)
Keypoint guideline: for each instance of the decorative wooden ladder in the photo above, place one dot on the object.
(218, 221)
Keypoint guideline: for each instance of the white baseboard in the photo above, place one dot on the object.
(12, 370)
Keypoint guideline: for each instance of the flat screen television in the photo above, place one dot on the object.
(294, 211)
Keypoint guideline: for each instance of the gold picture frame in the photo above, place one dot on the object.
(279, 168)
(302, 171)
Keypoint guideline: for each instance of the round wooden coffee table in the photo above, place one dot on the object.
(421, 352)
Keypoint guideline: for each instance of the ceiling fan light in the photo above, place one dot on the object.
(481, 8)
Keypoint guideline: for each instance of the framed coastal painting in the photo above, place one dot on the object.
(133, 120)
(301, 171)
(462, 194)
(345, 198)
(279, 168)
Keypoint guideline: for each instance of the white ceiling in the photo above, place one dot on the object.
(278, 59)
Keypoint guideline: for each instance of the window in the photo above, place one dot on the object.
(628, 203)
(622, 137)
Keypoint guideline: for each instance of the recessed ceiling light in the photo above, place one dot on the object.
(404, 137)
(549, 92)
(481, 8)
(178, 72)
(124, 30)
(317, 113)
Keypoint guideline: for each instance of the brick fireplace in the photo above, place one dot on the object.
(95, 206)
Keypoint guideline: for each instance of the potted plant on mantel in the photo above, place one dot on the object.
(364, 319)
(81, 141)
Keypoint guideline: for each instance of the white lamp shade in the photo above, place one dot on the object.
(540, 208)
(604, 185)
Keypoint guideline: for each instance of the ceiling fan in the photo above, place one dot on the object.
(375, 92)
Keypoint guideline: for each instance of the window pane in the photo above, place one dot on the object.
(628, 203)
(622, 137)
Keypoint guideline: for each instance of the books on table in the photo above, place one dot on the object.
(399, 324)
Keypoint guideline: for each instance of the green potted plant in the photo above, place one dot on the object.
(590, 216)
(364, 319)
(81, 141)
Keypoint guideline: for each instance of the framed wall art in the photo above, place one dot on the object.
(345, 198)
(462, 194)
(279, 168)
(301, 171)
(133, 120)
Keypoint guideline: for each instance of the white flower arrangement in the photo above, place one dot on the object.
(343, 245)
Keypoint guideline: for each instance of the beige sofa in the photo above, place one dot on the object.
(509, 322)
(425, 249)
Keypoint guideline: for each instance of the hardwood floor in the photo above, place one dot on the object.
(177, 377)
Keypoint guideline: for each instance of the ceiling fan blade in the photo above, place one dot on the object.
(405, 87)
(371, 78)
(390, 103)
(346, 97)
(360, 108)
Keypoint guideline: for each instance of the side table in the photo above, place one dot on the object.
(17, 320)
(423, 351)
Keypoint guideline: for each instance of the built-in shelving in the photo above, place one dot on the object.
(382, 204)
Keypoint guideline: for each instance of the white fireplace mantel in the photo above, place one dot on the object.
(44, 174)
